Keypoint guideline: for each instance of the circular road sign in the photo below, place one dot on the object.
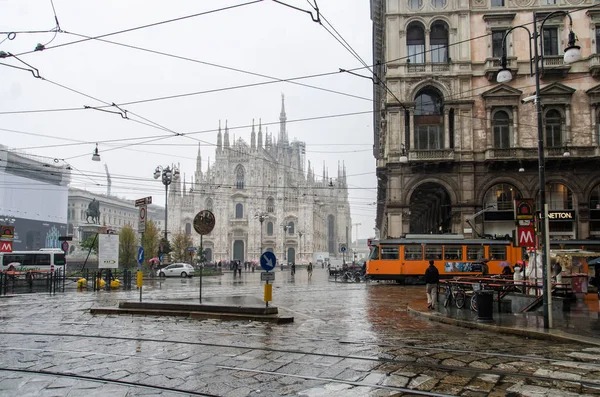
(268, 261)
(65, 246)
(204, 222)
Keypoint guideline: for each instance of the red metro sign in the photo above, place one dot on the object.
(526, 236)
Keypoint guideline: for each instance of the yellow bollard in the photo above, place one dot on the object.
(115, 284)
(140, 279)
(102, 283)
(82, 282)
(268, 292)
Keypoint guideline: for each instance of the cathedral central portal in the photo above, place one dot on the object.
(238, 250)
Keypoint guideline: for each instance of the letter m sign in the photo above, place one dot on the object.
(526, 236)
(6, 246)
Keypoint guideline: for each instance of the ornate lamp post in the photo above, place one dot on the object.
(261, 216)
(168, 176)
(572, 54)
(285, 227)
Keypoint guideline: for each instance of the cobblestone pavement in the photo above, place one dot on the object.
(347, 340)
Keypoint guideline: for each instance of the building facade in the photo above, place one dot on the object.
(33, 199)
(115, 213)
(454, 148)
(266, 179)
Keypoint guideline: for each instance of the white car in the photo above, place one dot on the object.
(182, 270)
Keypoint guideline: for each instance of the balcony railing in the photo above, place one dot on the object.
(549, 152)
(429, 67)
(594, 65)
(555, 65)
(425, 155)
(492, 67)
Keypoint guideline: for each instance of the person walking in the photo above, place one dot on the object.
(432, 278)
(309, 268)
(293, 269)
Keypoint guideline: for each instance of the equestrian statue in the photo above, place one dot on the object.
(93, 211)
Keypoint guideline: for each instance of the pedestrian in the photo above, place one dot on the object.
(557, 270)
(293, 269)
(239, 268)
(309, 268)
(506, 271)
(518, 274)
(432, 278)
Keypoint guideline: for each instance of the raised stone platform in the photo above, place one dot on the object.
(197, 311)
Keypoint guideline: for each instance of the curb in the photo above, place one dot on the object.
(552, 335)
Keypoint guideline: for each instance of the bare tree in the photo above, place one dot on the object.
(179, 246)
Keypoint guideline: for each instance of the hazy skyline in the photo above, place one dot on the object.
(180, 93)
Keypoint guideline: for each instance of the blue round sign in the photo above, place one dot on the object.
(268, 261)
(140, 256)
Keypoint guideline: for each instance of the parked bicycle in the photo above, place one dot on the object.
(456, 294)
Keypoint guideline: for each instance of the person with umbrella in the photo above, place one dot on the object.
(506, 270)
(153, 262)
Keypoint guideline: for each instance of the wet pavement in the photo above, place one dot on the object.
(346, 340)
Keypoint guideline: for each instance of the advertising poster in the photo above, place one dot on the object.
(108, 251)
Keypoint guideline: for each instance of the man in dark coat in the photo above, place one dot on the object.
(432, 278)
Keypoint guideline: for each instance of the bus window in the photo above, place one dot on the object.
(42, 260)
(413, 252)
(497, 253)
(374, 253)
(59, 259)
(453, 252)
(389, 253)
(475, 252)
(433, 252)
(22, 259)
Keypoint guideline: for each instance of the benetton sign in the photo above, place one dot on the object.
(561, 215)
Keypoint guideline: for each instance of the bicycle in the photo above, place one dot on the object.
(456, 294)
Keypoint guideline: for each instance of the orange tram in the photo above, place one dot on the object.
(405, 259)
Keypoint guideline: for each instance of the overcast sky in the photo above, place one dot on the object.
(264, 38)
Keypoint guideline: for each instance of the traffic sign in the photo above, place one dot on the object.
(267, 276)
(343, 247)
(143, 201)
(142, 219)
(7, 232)
(65, 246)
(192, 248)
(65, 238)
(268, 261)
(140, 255)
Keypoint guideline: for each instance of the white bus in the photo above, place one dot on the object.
(44, 259)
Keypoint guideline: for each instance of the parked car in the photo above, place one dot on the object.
(182, 270)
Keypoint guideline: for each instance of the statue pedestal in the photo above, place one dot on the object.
(88, 230)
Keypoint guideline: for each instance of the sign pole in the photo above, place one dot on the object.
(201, 267)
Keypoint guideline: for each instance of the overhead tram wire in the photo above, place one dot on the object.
(148, 25)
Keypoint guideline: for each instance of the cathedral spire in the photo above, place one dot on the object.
(253, 137)
(259, 144)
(184, 188)
(219, 138)
(226, 137)
(282, 119)
(199, 161)
(324, 174)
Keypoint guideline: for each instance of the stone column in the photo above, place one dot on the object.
(411, 113)
(567, 124)
(489, 133)
(515, 114)
(446, 144)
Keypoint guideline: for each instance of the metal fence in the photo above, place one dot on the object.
(32, 281)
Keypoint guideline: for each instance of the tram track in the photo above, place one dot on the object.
(363, 343)
(382, 360)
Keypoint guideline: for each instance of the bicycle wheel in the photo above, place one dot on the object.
(459, 299)
(474, 303)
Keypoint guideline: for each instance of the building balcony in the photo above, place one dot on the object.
(594, 65)
(492, 66)
(235, 222)
(431, 155)
(549, 152)
(554, 65)
(430, 67)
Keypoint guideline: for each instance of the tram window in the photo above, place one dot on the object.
(475, 252)
(413, 252)
(374, 253)
(433, 252)
(498, 253)
(389, 253)
(453, 253)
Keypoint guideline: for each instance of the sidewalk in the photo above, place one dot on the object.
(581, 324)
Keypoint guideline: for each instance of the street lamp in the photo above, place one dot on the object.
(261, 216)
(168, 176)
(285, 227)
(572, 54)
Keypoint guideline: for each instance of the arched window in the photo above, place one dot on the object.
(209, 204)
(429, 120)
(501, 126)
(239, 211)
(438, 42)
(501, 196)
(554, 125)
(559, 197)
(188, 228)
(270, 205)
(269, 228)
(415, 4)
(415, 43)
(291, 228)
(439, 3)
(239, 177)
(595, 211)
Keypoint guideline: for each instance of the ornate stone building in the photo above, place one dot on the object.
(302, 214)
(451, 142)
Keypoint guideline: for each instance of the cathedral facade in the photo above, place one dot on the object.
(264, 199)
